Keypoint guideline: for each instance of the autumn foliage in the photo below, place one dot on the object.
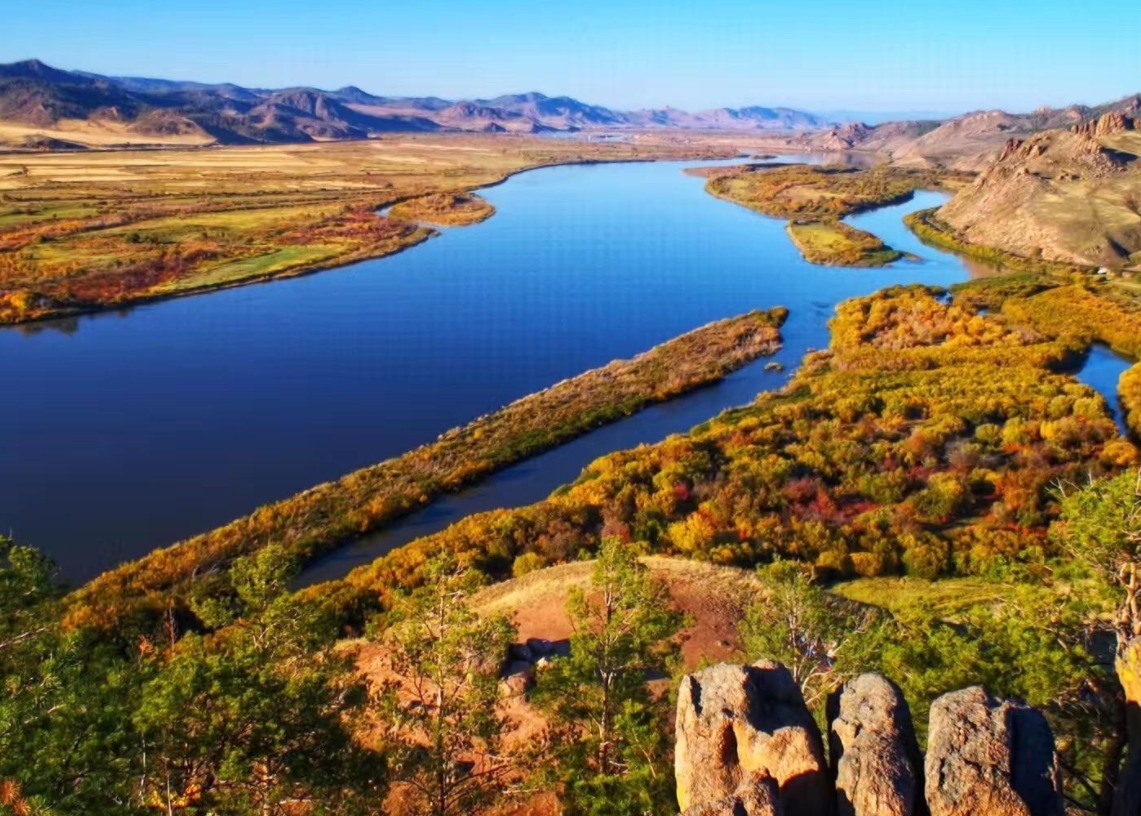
(331, 514)
(925, 441)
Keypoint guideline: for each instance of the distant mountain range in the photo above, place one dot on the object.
(39, 102)
(967, 142)
(44, 107)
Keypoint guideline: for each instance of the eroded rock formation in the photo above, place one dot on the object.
(1109, 124)
(743, 733)
(875, 759)
(990, 756)
(747, 746)
(1127, 796)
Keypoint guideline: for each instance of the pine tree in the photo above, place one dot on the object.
(443, 703)
(822, 639)
(609, 730)
(63, 700)
(255, 717)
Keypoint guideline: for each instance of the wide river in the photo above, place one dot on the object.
(126, 431)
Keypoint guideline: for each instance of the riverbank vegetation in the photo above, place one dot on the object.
(325, 516)
(834, 243)
(925, 441)
(1081, 308)
(815, 198)
(104, 229)
(929, 441)
(811, 192)
(443, 209)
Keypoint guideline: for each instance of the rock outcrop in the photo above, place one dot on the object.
(1107, 125)
(759, 800)
(744, 732)
(990, 756)
(875, 759)
(747, 746)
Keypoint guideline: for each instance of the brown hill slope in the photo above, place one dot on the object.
(969, 142)
(1065, 195)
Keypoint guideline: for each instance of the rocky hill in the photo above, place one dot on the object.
(747, 745)
(41, 102)
(1072, 195)
(968, 142)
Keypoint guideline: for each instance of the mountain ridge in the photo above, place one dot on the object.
(36, 95)
(969, 141)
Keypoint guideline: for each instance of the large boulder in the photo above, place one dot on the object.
(742, 729)
(988, 756)
(875, 756)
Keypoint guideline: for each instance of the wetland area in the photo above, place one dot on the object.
(139, 416)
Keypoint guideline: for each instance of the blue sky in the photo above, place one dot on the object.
(948, 56)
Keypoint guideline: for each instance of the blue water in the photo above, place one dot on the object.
(1101, 370)
(123, 432)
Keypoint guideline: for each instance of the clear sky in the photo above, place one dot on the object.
(950, 56)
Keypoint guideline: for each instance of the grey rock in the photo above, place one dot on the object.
(988, 756)
(875, 759)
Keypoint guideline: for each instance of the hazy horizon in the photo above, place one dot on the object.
(908, 59)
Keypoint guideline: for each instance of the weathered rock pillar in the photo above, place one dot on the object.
(747, 745)
(990, 756)
(875, 759)
(1127, 795)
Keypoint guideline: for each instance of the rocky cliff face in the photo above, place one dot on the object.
(1108, 125)
(747, 746)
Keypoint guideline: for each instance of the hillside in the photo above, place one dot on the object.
(1062, 195)
(968, 142)
(40, 103)
(714, 599)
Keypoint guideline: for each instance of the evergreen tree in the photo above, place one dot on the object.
(255, 717)
(443, 703)
(822, 639)
(64, 699)
(1101, 524)
(609, 731)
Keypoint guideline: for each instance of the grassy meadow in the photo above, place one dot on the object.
(834, 243)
